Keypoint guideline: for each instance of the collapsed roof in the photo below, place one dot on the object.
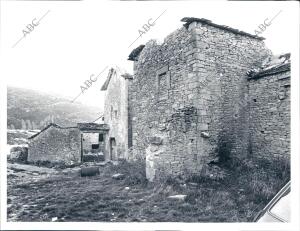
(92, 126)
(84, 127)
(272, 65)
(133, 56)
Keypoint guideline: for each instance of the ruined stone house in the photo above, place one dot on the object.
(116, 114)
(67, 144)
(207, 93)
(93, 137)
(269, 108)
(72, 144)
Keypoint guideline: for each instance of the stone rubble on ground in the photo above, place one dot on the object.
(178, 197)
(192, 184)
(118, 176)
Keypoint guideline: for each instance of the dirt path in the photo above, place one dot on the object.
(22, 173)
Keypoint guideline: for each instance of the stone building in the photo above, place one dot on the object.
(269, 108)
(206, 94)
(116, 114)
(191, 101)
(67, 144)
(93, 137)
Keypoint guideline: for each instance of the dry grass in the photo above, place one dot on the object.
(237, 197)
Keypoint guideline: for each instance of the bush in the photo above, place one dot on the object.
(19, 154)
(56, 164)
(134, 171)
(44, 163)
(267, 177)
(93, 157)
(224, 150)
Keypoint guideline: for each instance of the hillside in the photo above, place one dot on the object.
(29, 109)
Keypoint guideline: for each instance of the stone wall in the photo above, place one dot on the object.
(55, 145)
(90, 139)
(269, 98)
(222, 61)
(185, 97)
(116, 115)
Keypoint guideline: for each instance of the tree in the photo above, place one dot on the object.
(34, 126)
(29, 125)
(23, 124)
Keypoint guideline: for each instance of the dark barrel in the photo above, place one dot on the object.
(89, 171)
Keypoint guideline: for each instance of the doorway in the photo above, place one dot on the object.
(112, 148)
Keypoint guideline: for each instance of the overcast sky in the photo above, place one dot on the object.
(77, 39)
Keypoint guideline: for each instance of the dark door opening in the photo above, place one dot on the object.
(112, 148)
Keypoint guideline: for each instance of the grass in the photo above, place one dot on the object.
(237, 197)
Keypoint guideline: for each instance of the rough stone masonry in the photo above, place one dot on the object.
(189, 99)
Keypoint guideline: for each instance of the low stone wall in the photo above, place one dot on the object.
(56, 145)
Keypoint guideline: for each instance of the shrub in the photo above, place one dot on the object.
(56, 164)
(224, 150)
(134, 171)
(44, 163)
(19, 154)
(93, 157)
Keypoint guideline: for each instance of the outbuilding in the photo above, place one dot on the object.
(67, 144)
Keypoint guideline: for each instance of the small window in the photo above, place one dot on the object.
(116, 114)
(163, 82)
(111, 112)
(101, 138)
(95, 146)
(163, 86)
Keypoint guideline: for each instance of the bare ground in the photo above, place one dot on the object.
(62, 195)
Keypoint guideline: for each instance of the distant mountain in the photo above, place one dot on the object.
(29, 109)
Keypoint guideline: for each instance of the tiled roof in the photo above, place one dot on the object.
(91, 126)
(272, 65)
(189, 20)
(109, 76)
(112, 71)
(127, 76)
(48, 126)
(80, 126)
